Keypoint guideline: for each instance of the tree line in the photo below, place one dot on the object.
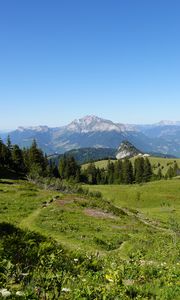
(116, 172)
(34, 163)
(119, 172)
(17, 162)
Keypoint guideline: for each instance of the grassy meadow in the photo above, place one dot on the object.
(122, 245)
(158, 200)
(156, 162)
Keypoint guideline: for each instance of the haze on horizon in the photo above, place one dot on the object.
(62, 60)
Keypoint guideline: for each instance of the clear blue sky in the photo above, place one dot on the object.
(63, 59)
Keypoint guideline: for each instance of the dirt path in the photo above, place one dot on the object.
(29, 221)
(97, 213)
(143, 219)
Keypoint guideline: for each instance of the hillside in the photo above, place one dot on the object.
(84, 155)
(156, 162)
(102, 247)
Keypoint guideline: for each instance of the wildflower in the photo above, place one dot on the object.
(128, 282)
(5, 293)
(19, 293)
(24, 274)
(75, 260)
(109, 278)
(66, 290)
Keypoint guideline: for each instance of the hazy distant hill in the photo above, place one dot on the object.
(165, 136)
(3, 134)
(92, 131)
(84, 155)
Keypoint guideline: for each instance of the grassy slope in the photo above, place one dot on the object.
(100, 164)
(79, 223)
(164, 163)
(141, 255)
(159, 199)
(18, 199)
(68, 220)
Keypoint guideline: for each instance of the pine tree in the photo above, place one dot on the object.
(127, 171)
(91, 174)
(36, 161)
(17, 159)
(159, 174)
(175, 168)
(62, 165)
(9, 152)
(147, 172)
(118, 172)
(139, 169)
(68, 168)
(170, 173)
(110, 172)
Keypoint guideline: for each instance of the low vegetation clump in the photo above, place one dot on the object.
(35, 267)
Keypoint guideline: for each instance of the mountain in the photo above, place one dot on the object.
(3, 134)
(43, 135)
(92, 131)
(96, 124)
(85, 155)
(165, 136)
(127, 150)
(168, 123)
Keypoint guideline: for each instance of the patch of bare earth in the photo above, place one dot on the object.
(69, 199)
(98, 213)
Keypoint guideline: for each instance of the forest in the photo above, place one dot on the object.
(32, 162)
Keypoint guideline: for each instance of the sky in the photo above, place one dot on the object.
(64, 59)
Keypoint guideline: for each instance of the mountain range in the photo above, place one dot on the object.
(92, 131)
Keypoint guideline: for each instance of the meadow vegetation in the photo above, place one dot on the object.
(157, 163)
(122, 243)
(64, 239)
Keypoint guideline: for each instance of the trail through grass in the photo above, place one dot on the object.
(130, 240)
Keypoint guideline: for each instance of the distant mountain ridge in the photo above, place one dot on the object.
(86, 155)
(92, 131)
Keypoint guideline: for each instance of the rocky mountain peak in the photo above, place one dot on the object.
(127, 150)
(93, 123)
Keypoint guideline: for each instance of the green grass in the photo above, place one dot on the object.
(77, 225)
(134, 235)
(158, 200)
(99, 164)
(94, 224)
(156, 162)
(162, 163)
(18, 199)
(70, 219)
